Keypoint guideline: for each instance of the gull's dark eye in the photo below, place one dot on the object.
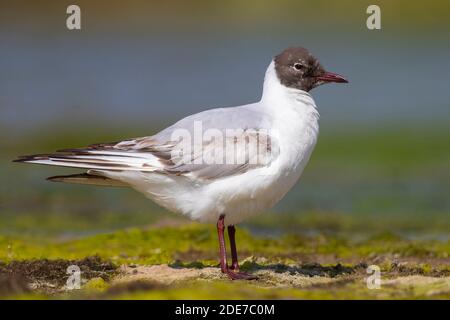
(298, 66)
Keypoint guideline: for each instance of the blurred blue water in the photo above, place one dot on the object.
(119, 79)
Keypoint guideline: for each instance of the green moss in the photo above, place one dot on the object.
(198, 243)
(419, 288)
(96, 285)
(216, 291)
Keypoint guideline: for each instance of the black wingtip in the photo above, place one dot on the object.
(22, 159)
(31, 158)
(54, 178)
(68, 176)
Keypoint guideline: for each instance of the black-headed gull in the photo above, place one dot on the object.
(222, 165)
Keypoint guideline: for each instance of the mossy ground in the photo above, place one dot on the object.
(368, 197)
(180, 262)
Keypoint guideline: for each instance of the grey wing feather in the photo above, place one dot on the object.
(245, 143)
(233, 154)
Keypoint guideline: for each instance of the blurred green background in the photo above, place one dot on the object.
(382, 162)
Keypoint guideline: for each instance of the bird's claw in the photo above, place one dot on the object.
(240, 275)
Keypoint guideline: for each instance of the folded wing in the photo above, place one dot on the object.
(218, 156)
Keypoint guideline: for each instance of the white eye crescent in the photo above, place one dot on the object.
(298, 66)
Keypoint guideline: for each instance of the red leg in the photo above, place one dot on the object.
(223, 254)
(234, 258)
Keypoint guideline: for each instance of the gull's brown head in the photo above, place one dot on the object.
(297, 68)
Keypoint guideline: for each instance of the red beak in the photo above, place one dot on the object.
(332, 77)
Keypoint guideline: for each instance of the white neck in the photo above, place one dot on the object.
(275, 93)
